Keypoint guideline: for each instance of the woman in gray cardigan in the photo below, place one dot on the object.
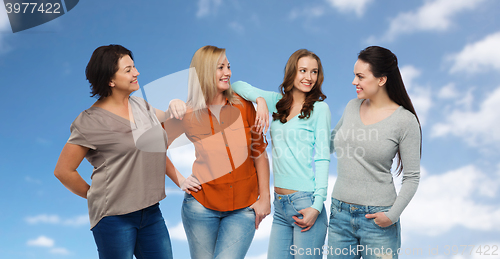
(379, 124)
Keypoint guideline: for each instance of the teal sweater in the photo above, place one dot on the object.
(295, 144)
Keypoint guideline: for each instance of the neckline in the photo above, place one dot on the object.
(386, 118)
(115, 116)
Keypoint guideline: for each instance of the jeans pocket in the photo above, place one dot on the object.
(377, 209)
(188, 198)
(333, 211)
(302, 202)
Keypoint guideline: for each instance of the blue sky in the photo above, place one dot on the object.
(448, 53)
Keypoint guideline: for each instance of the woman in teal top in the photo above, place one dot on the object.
(300, 132)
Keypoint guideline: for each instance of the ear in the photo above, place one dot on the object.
(111, 83)
(382, 80)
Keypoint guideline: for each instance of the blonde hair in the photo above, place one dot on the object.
(202, 82)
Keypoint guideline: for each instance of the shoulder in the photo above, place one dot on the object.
(407, 117)
(354, 102)
(321, 106)
(138, 101)
(87, 119)
(407, 122)
(242, 102)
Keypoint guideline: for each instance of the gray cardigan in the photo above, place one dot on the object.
(365, 155)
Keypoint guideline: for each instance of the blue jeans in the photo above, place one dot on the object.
(142, 233)
(287, 240)
(352, 235)
(215, 234)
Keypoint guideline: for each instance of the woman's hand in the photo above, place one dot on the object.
(190, 184)
(262, 116)
(309, 216)
(262, 208)
(176, 108)
(380, 219)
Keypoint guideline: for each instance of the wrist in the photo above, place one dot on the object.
(265, 197)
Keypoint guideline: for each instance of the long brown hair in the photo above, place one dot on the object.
(384, 63)
(284, 105)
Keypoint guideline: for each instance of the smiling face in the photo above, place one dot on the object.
(125, 79)
(367, 85)
(223, 74)
(307, 74)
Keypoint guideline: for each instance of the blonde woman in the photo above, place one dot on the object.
(227, 194)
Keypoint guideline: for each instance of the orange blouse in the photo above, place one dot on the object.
(225, 149)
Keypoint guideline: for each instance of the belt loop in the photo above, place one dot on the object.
(340, 206)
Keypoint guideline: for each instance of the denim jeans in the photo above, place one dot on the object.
(287, 240)
(215, 234)
(142, 233)
(352, 235)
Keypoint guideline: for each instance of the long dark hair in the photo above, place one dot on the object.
(284, 104)
(384, 63)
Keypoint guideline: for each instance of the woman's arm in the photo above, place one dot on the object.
(190, 184)
(409, 149)
(334, 132)
(176, 109)
(262, 206)
(321, 162)
(251, 93)
(70, 158)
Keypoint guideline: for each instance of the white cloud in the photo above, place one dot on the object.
(307, 12)
(205, 7)
(265, 226)
(177, 232)
(478, 128)
(448, 91)
(421, 97)
(4, 27)
(422, 102)
(432, 16)
(56, 220)
(59, 251)
(42, 241)
(345, 6)
(409, 73)
(32, 180)
(237, 27)
(481, 56)
(182, 157)
(450, 200)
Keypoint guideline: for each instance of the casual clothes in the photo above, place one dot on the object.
(217, 219)
(365, 154)
(225, 149)
(129, 159)
(296, 144)
(365, 185)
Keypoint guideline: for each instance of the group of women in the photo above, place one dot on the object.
(227, 194)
